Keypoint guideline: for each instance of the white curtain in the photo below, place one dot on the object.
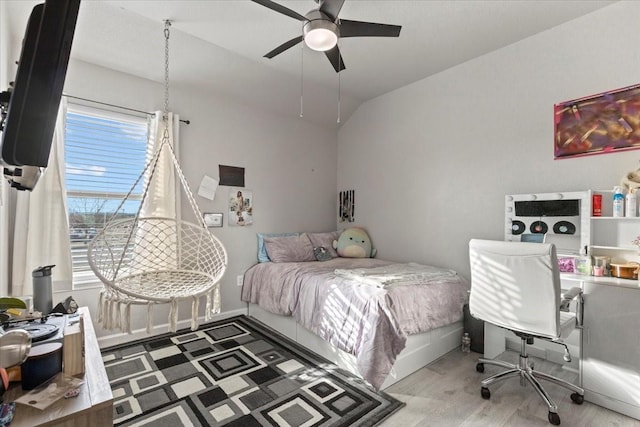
(162, 197)
(154, 250)
(41, 234)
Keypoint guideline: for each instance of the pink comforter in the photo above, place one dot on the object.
(370, 322)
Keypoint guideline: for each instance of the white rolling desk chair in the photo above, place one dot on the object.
(516, 286)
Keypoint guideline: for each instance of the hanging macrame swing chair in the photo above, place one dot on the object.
(156, 260)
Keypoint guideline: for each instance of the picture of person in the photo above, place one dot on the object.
(240, 208)
(240, 201)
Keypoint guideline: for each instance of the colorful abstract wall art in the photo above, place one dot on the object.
(604, 123)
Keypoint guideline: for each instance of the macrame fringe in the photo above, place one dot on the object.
(195, 304)
(213, 303)
(114, 312)
(109, 321)
(149, 311)
(100, 307)
(105, 311)
(117, 324)
(126, 325)
(173, 315)
(207, 307)
(216, 299)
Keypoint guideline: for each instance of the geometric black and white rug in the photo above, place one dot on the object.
(236, 372)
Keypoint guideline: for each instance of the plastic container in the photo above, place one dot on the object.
(631, 204)
(583, 262)
(466, 343)
(42, 298)
(601, 265)
(618, 202)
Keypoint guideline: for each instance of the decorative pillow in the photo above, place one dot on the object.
(289, 249)
(321, 253)
(325, 240)
(262, 251)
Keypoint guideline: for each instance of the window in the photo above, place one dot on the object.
(105, 152)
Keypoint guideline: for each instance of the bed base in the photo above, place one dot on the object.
(421, 349)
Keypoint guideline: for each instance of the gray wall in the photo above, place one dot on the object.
(290, 165)
(431, 162)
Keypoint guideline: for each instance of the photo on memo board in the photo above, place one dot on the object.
(346, 206)
(240, 207)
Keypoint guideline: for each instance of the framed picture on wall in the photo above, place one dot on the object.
(604, 123)
(346, 206)
(213, 219)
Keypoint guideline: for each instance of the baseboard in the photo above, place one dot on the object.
(121, 338)
(612, 404)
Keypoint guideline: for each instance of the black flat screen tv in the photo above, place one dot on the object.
(30, 107)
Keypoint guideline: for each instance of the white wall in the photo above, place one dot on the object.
(431, 162)
(290, 165)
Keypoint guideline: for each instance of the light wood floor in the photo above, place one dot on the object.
(447, 393)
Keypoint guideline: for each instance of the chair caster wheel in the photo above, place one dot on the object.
(480, 367)
(554, 418)
(577, 398)
(485, 393)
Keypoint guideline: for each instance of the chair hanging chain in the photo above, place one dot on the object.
(167, 24)
(150, 168)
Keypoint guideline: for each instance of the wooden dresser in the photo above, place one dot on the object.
(93, 406)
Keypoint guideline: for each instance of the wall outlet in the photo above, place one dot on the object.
(239, 279)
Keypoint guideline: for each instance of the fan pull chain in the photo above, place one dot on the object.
(301, 78)
(339, 66)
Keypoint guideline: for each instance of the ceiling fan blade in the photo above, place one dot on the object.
(335, 58)
(367, 29)
(284, 46)
(281, 9)
(331, 8)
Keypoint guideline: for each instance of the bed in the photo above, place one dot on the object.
(379, 319)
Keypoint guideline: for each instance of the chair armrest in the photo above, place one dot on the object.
(569, 296)
(574, 293)
(571, 293)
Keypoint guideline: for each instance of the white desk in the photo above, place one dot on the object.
(609, 345)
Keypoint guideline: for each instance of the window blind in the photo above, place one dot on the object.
(105, 152)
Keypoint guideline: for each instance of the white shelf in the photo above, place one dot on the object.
(616, 248)
(616, 218)
(606, 280)
(614, 281)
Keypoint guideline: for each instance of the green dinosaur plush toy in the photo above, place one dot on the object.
(354, 243)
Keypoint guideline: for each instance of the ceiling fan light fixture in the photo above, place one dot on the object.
(320, 34)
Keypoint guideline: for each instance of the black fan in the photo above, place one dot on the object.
(324, 22)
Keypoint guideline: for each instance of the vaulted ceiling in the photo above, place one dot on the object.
(218, 45)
